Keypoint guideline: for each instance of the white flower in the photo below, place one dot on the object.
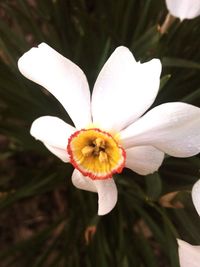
(189, 256)
(110, 132)
(196, 196)
(184, 9)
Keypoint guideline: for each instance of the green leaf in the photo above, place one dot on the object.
(154, 186)
(180, 63)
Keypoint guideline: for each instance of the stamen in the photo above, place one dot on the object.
(87, 151)
(103, 157)
(99, 142)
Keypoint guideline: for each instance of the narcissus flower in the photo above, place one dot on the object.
(196, 196)
(184, 9)
(110, 132)
(189, 255)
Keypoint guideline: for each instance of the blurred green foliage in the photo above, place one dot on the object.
(141, 230)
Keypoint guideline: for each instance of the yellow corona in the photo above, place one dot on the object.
(96, 153)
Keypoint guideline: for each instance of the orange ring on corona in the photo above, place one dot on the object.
(96, 153)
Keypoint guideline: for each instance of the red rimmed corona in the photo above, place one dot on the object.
(96, 153)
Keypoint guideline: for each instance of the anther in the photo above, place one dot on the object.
(87, 151)
(103, 157)
(99, 142)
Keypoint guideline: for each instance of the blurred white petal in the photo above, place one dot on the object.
(189, 256)
(173, 128)
(106, 189)
(82, 182)
(107, 195)
(58, 152)
(62, 78)
(124, 90)
(52, 131)
(196, 196)
(184, 9)
(144, 159)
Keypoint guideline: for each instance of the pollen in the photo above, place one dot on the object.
(103, 157)
(96, 153)
(87, 151)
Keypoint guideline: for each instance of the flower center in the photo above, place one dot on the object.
(96, 153)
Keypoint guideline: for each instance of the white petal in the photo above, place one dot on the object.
(189, 256)
(124, 90)
(196, 196)
(184, 9)
(54, 133)
(107, 194)
(60, 77)
(82, 182)
(58, 152)
(173, 128)
(106, 189)
(144, 159)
